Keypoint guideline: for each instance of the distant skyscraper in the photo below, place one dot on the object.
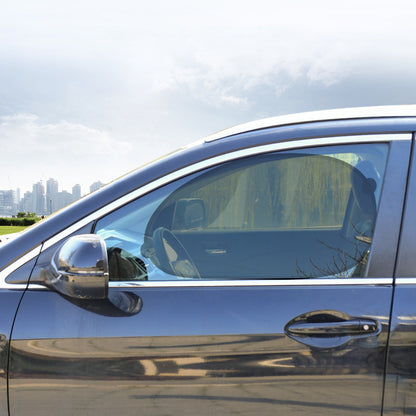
(61, 200)
(52, 186)
(52, 189)
(39, 199)
(95, 186)
(76, 192)
(26, 203)
(8, 203)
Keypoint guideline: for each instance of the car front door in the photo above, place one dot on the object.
(258, 283)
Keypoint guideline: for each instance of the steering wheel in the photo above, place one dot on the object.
(172, 255)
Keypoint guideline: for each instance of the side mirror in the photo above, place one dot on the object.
(81, 268)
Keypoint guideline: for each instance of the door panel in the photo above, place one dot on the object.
(213, 349)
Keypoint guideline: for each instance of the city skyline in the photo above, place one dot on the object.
(42, 199)
(85, 188)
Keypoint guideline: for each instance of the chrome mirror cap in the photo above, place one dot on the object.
(81, 268)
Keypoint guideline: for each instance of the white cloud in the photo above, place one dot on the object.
(71, 153)
(30, 131)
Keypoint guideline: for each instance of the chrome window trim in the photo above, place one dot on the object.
(16, 264)
(239, 283)
(9, 286)
(254, 282)
(406, 281)
(204, 164)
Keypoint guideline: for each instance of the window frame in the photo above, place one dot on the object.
(311, 234)
(391, 165)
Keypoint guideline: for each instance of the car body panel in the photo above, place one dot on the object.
(9, 301)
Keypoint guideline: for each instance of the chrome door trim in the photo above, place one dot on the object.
(237, 283)
(204, 164)
(254, 282)
(405, 281)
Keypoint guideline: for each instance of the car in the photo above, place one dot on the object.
(268, 269)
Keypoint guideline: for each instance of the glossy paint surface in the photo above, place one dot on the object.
(9, 301)
(215, 349)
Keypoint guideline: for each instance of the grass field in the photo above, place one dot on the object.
(9, 229)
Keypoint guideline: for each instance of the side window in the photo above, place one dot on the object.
(296, 214)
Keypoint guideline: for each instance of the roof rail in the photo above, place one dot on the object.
(314, 116)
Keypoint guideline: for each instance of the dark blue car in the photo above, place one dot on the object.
(267, 270)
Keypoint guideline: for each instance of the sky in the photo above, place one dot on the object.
(92, 89)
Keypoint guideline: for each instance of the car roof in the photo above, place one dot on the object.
(389, 111)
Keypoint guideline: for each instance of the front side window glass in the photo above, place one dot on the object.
(304, 213)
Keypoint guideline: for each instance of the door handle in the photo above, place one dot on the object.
(330, 328)
(350, 327)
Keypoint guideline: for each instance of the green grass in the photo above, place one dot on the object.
(9, 229)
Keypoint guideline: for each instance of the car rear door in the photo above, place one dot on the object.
(400, 390)
(209, 317)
